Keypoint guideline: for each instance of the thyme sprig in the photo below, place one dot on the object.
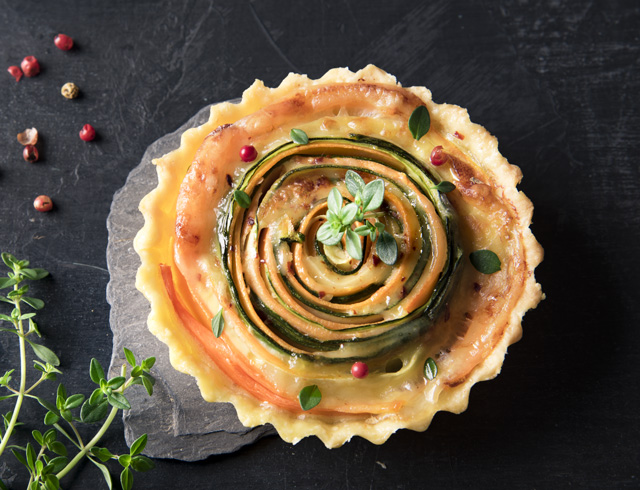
(46, 458)
(366, 199)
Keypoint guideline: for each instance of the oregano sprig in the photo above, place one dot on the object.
(366, 199)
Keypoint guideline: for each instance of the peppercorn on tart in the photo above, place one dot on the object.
(337, 257)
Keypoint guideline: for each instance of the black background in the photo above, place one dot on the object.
(557, 82)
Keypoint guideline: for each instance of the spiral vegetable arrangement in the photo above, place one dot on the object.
(313, 300)
(332, 258)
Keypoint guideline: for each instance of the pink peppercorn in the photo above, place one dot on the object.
(87, 133)
(16, 72)
(30, 153)
(438, 156)
(359, 369)
(63, 42)
(248, 153)
(30, 66)
(43, 204)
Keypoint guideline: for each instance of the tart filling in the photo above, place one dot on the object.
(263, 311)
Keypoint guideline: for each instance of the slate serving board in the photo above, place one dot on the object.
(179, 423)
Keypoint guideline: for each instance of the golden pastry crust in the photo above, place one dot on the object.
(186, 276)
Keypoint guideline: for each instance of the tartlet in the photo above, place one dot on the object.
(268, 317)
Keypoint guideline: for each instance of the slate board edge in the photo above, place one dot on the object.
(199, 444)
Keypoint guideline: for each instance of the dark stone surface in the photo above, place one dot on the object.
(557, 82)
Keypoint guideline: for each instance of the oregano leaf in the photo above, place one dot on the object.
(309, 397)
(242, 198)
(217, 324)
(354, 247)
(372, 195)
(485, 261)
(355, 184)
(419, 122)
(444, 187)
(334, 201)
(299, 137)
(430, 369)
(387, 248)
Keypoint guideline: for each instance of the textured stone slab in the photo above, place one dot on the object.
(180, 424)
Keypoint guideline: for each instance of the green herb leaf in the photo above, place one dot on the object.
(355, 183)
(124, 460)
(31, 455)
(142, 463)
(444, 187)
(327, 235)
(47, 404)
(419, 122)
(96, 396)
(118, 400)
(44, 353)
(354, 247)
(35, 303)
(34, 274)
(94, 412)
(102, 453)
(309, 397)
(372, 195)
(430, 369)
(74, 401)
(19, 457)
(362, 230)
(348, 213)
(105, 472)
(58, 463)
(242, 198)
(138, 445)
(126, 479)
(148, 363)
(9, 260)
(95, 371)
(334, 201)
(37, 435)
(298, 136)
(51, 418)
(485, 261)
(117, 382)
(148, 384)
(58, 448)
(387, 248)
(217, 324)
(131, 359)
(5, 282)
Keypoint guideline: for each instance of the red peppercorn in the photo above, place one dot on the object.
(30, 153)
(359, 369)
(30, 66)
(87, 133)
(43, 204)
(16, 72)
(63, 42)
(248, 153)
(438, 156)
